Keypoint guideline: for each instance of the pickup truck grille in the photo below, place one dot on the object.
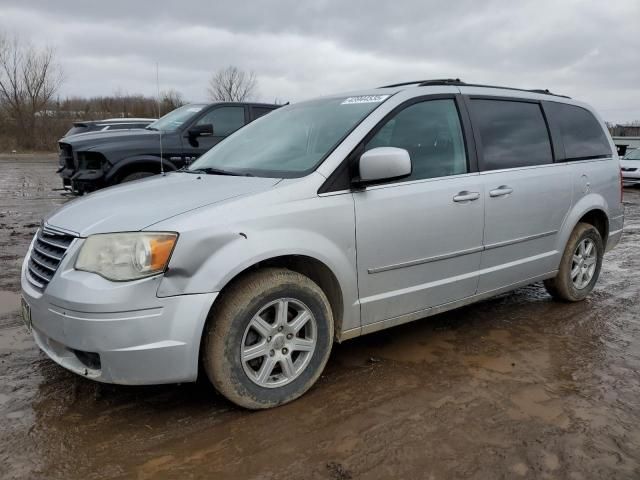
(66, 156)
(46, 255)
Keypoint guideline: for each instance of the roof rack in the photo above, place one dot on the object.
(422, 83)
(459, 83)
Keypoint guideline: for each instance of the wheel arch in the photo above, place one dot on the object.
(591, 209)
(137, 164)
(308, 266)
(599, 219)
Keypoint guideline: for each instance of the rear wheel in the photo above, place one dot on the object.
(268, 340)
(580, 265)
(136, 176)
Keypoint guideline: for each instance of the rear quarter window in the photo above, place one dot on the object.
(581, 133)
(512, 134)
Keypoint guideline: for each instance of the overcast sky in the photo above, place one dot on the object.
(586, 49)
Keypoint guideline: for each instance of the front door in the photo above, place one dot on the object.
(419, 240)
(224, 119)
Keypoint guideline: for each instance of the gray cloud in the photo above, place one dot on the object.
(586, 49)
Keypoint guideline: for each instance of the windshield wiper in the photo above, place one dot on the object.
(151, 128)
(215, 171)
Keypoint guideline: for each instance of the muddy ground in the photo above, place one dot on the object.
(517, 386)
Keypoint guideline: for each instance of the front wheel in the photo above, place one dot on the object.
(268, 340)
(580, 265)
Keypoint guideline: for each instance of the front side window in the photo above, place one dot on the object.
(582, 135)
(513, 134)
(430, 131)
(225, 120)
(292, 140)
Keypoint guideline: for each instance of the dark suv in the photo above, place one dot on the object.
(95, 160)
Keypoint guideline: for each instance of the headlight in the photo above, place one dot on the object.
(126, 256)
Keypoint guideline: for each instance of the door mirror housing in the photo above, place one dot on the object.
(205, 130)
(383, 163)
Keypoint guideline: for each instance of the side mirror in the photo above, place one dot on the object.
(205, 130)
(383, 163)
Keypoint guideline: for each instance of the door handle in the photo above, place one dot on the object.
(501, 191)
(465, 196)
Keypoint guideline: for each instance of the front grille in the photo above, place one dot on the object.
(47, 253)
(624, 169)
(66, 156)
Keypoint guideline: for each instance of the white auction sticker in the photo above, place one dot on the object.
(365, 99)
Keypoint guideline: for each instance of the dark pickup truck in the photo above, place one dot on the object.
(89, 161)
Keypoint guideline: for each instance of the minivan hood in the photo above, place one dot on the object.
(136, 205)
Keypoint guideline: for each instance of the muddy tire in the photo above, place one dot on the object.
(580, 265)
(136, 176)
(268, 338)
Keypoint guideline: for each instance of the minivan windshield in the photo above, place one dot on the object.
(290, 141)
(176, 118)
(632, 155)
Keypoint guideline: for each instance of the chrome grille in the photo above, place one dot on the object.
(47, 253)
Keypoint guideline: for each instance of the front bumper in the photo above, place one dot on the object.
(82, 181)
(117, 332)
(85, 181)
(630, 178)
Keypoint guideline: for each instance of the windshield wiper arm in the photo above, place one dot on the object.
(219, 171)
(151, 128)
(213, 171)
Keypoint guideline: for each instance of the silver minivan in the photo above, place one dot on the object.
(322, 221)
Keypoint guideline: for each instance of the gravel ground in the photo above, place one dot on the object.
(518, 386)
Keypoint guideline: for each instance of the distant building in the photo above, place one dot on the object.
(626, 137)
(625, 144)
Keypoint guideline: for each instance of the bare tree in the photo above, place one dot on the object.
(29, 80)
(170, 100)
(232, 85)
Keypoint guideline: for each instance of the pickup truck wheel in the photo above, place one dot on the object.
(580, 265)
(136, 176)
(268, 340)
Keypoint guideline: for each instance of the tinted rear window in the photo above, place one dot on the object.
(581, 133)
(513, 134)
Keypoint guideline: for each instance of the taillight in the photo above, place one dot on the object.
(621, 191)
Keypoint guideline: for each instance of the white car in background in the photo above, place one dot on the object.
(630, 167)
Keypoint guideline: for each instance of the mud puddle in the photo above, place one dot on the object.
(9, 302)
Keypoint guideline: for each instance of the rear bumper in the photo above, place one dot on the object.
(117, 332)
